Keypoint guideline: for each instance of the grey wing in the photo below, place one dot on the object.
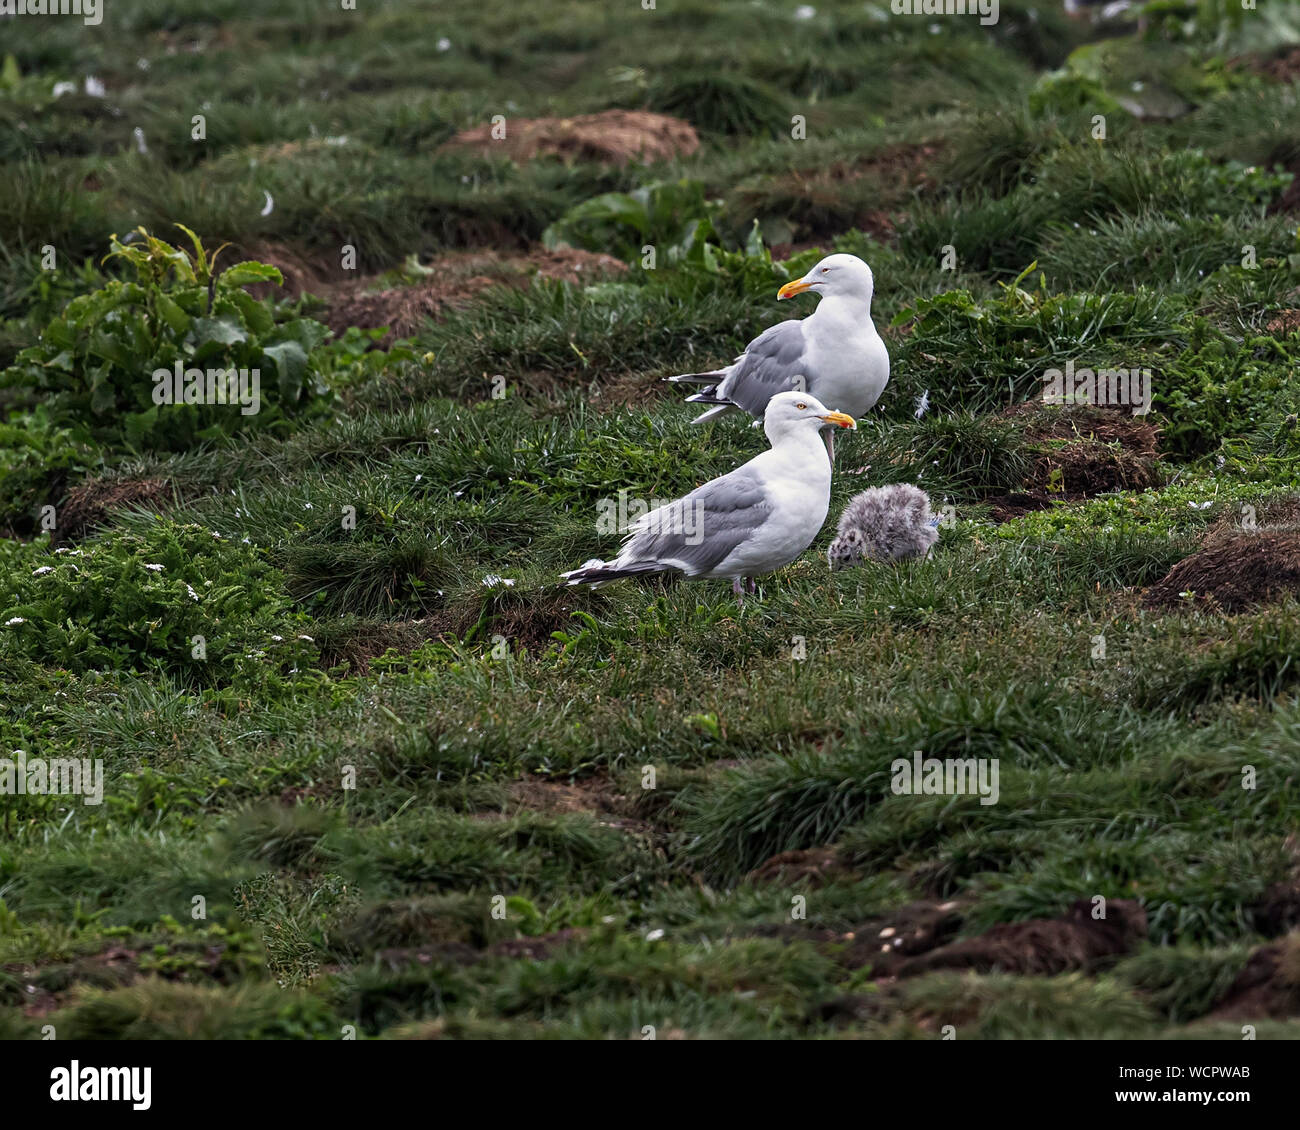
(771, 364)
(699, 531)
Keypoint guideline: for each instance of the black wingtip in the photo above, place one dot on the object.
(599, 574)
(707, 396)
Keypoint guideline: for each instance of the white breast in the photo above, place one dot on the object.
(800, 496)
(848, 358)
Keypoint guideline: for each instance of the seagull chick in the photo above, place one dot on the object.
(834, 354)
(884, 524)
(746, 523)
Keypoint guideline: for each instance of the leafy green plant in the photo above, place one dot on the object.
(107, 359)
(179, 599)
(674, 217)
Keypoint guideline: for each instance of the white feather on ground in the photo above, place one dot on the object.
(746, 523)
(889, 523)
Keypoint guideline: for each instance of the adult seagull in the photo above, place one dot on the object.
(834, 354)
(748, 522)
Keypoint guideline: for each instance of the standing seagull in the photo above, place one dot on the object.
(835, 350)
(748, 522)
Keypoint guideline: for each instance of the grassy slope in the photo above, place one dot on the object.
(501, 746)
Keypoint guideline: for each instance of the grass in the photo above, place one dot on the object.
(408, 783)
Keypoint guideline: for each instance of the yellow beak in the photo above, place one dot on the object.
(841, 419)
(792, 288)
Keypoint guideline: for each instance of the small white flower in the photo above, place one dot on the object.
(154, 568)
(307, 638)
(62, 88)
(15, 620)
(654, 935)
(307, 506)
(64, 549)
(805, 12)
(444, 44)
(277, 638)
(94, 87)
(43, 570)
(418, 478)
(492, 580)
(190, 589)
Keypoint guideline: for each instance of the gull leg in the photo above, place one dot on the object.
(753, 585)
(738, 590)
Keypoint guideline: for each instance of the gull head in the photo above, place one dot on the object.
(791, 412)
(838, 276)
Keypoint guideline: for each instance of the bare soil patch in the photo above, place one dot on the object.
(1080, 451)
(90, 503)
(889, 941)
(1281, 67)
(598, 797)
(884, 941)
(811, 867)
(820, 199)
(612, 137)
(1233, 573)
(1045, 946)
(1286, 321)
(1278, 912)
(372, 639)
(592, 795)
(524, 619)
(1269, 985)
(303, 274)
(457, 280)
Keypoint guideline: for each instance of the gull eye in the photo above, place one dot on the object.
(825, 269)
(801, 406)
